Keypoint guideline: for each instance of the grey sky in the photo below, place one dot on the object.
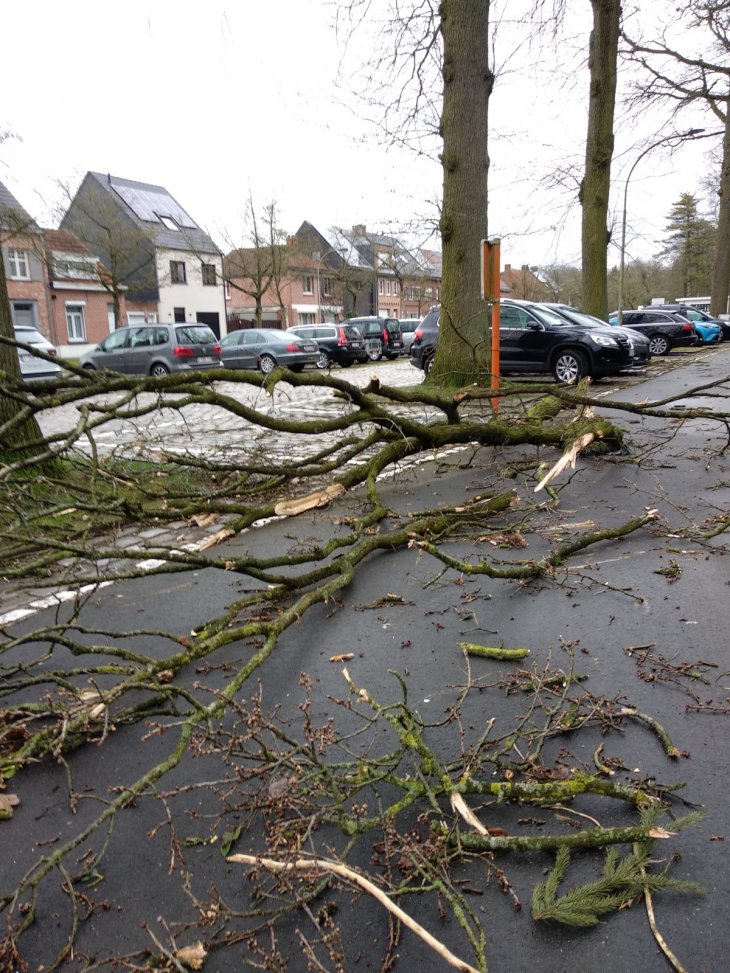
(218, 99)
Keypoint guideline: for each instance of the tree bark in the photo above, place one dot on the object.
(721, 268)
(463, 349)
(15, 437)
(596, 184)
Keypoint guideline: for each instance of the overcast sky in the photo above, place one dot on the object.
(218, 99)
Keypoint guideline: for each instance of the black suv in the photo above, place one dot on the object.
(695, 314)
(664, 329)
(338, 343)
(381, 335)
(536, 339)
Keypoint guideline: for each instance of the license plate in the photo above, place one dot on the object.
(309, 346)
(356, 344)
(204, 360)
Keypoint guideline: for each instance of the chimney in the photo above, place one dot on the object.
(359, 229)
(507, 268)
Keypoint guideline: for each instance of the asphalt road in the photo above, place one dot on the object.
(637, 614)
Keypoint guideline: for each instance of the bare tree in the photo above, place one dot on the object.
(261, 267)
(686, 82)
(596, 184)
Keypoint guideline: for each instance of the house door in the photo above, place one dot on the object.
(212, 319)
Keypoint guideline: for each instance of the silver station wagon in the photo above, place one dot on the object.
(156, 349)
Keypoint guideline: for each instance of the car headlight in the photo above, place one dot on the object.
(603, 339)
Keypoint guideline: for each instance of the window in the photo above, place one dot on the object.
(19, 265)
(387, 287)
(168, 222)
(381, 287)
(117, 340)
(429, 292)
(210, 278)
(227, 291)
(75, 322)
(141, 317)
(177, 272)
(305, 318)
(395, 286)
(307, 284)
(179, 315)
(327, 286)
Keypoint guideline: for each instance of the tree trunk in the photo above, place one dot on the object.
(596, 184)
(463, 349)
(13, 441)
(721, 267)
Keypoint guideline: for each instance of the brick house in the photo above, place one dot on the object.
(22, 253)
(523, 284)
(82, 312)
(315, 279)
(152, 248)
(54, 281)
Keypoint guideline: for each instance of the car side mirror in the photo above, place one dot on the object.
(534, 326)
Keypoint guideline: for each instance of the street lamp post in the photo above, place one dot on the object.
(667, 138)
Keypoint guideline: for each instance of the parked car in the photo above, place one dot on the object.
(156, 349)
(710, 334)
(382, 336)
(694, 314)
(34, 369)
(340, 344)
(407, 330)
(536, 339)
(664, 329)
(641, 352)
(264, 349)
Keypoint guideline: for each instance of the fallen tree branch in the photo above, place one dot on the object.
(350, 875)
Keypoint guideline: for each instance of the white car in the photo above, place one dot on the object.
(32, 368)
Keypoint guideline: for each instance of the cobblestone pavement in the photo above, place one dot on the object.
(206, 430)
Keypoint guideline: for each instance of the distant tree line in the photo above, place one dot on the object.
(683, 267)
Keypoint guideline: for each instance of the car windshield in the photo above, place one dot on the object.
(585, 319)
(549, 317)
(193, 334)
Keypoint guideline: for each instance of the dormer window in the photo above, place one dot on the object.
(168, 222)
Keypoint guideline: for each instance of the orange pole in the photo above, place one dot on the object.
(494, 265)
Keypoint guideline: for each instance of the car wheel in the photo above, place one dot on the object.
(323, 361)
(267, 364)
(159, 370)
(427, 364)
(659, 344)
(89, 367)
(569, 367)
